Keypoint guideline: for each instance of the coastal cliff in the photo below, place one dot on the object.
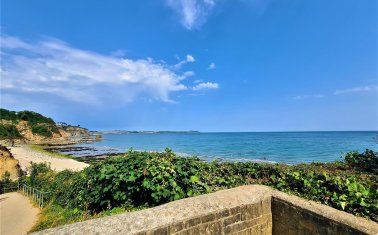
(33, 128)
(8, 164)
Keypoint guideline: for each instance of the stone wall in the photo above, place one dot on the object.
(245, 219)
(250, 209)
(294, 215)
(291, 219)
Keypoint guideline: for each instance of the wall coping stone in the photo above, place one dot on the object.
(342, 217)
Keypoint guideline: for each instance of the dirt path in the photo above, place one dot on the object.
(25, 155)
(17, 214)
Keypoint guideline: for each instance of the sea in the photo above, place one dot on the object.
(278, 147)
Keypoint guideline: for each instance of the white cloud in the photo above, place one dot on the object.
(192, 13)
(55, 68)
(361, 89)
(188, 74)
(205, 85)
(211, 66)
(302, 97)
(189, 59)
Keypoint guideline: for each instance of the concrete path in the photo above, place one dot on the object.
(17, 214)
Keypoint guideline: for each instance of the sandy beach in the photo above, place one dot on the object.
(25, 155)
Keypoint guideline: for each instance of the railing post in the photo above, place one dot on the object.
(36, 195)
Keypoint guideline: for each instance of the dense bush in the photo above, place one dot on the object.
(30, 116)
(39, 124)
(34, 118)
(43, 130)
(344, 193)
(9, 131)
(8, 115)
(366, 161)
(141, 179)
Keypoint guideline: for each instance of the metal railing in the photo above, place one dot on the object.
(6, 188)
(38, 196)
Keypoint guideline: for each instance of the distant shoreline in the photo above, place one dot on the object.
(122, 132)
(217, 132)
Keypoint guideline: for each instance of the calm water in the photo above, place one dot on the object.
(288, 147)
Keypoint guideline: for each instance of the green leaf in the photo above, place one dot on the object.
(194, 179)
(343, 204)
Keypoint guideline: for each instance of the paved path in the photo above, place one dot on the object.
(17, 214)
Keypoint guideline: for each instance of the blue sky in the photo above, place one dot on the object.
(208, 65)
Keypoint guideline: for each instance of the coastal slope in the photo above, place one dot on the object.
(34, 128)
(8, 164)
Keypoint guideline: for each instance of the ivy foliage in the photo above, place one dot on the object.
(143, 179)
(367, 161)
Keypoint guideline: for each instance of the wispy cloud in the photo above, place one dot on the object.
(55, 68)
(361, 89)
(211, 66)
(192, 13)
(206, 85)
(302, 97)
(188, 59)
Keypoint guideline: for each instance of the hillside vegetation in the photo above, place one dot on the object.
(138, 180)
(39, 124)
(34, 127)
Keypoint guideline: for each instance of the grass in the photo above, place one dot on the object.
(53, 215)
(41, 149)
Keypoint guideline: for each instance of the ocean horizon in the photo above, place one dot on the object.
(290, 147)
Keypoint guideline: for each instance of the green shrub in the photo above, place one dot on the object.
(9, 131)
(8, 115)
(42, 130)
(34, 118)
(344, 193)
(142, 179)
(366, 161)
(6, 183)
(38, 170)
(39, 124)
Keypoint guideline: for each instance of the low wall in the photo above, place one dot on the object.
(292, 219)
(250, 209)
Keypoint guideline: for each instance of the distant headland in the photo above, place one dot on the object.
(122, 132)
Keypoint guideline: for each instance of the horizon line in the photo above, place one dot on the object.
(196, 131)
